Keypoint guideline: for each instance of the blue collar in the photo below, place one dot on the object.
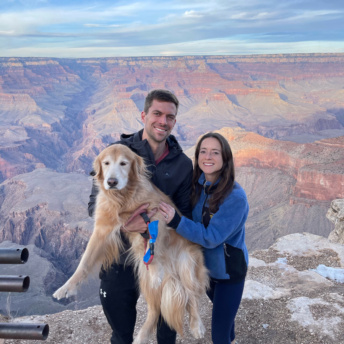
(202, 181)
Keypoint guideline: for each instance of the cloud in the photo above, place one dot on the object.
(101, 25)
(216, 47)
(171, 27)
(192, 14)
(5, 33)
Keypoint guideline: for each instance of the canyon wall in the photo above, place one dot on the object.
(59, 113)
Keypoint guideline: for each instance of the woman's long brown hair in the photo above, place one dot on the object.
(226, 174)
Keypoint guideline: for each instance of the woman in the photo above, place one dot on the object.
(220, 211)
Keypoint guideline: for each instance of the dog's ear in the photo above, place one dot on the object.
(97, 168)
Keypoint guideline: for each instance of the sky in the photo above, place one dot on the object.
(84, 28)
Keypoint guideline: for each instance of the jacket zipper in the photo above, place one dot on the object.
(225, 249)
(205, 200)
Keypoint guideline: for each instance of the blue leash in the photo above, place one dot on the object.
(153, 234)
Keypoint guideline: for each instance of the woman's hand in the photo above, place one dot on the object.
(167, 211)
(136, 223)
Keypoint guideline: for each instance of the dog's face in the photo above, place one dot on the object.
(116, 165)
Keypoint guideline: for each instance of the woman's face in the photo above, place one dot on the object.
(210, 158)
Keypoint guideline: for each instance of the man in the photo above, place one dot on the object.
(171, 172)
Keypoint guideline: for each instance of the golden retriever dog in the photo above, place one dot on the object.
(176, 278)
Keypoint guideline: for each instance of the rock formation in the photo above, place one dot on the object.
(63, 111)
(315, 167)
(45, 211)
(336, 215)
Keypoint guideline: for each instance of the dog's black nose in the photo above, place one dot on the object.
(112, 182)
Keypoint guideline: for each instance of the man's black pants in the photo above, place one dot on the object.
(118, 295)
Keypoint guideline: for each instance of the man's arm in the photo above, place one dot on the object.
(92, 200)
(182, 198)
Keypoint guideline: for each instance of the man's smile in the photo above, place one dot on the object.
(160, 129)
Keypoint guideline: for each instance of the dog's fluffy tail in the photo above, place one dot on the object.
(174, 300)
(183, 288)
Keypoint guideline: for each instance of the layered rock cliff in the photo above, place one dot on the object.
(63, 111)
(46, 212)
(336, 215)
(315, 167)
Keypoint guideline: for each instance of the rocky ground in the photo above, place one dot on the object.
(287, 299)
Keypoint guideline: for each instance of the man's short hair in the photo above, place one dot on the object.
(161, 96)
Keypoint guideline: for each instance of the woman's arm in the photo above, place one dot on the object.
(226, 222)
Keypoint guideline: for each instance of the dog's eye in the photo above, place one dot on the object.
(106, 163)
(123, 163)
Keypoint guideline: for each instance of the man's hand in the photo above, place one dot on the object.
(135, 222)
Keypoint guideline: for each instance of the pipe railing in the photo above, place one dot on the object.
(14, 256)
(24, 331)
(18, 284)
(14, 283)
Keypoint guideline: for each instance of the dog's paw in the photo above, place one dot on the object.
(197, 329)
(143, 336)
(64, 292)
(139, 340)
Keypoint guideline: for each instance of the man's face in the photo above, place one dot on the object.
(159, 120)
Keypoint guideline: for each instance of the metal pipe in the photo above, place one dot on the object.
(14, 256)
(24, 331)
(14, 283)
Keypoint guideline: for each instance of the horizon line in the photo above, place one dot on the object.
(175, 56)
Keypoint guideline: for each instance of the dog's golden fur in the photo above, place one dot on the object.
(176, 278)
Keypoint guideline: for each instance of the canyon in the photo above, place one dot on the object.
(59, 113)
(283, 116)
